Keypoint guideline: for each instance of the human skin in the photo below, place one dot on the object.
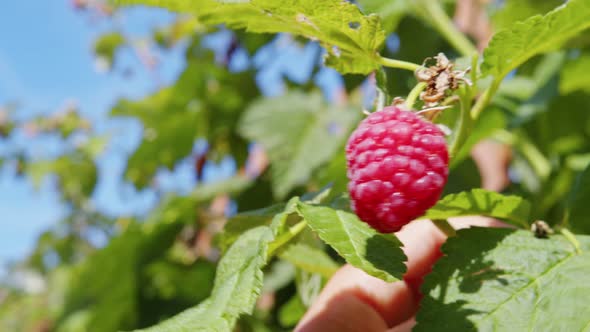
(354, 301)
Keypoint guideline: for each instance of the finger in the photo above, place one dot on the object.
(382, 298)
(421, 242)
(393, 302)
(341, 311)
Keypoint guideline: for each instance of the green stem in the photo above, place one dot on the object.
(444, 226)
(538, 162)
(445, 26)
(572, 238)
(463, 126)
(286, 237)
(392, 63)
(413, 96)
(474, 63)
(484, 100)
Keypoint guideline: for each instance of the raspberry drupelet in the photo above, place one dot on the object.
(397, 168)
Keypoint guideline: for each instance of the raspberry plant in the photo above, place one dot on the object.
(437, 96)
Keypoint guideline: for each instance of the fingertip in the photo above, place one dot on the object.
(343, 313)
(421, 242)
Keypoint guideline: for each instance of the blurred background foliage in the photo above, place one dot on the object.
(282, 143)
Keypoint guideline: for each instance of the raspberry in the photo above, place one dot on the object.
(397, 166)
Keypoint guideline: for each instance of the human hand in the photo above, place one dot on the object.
(354, 301)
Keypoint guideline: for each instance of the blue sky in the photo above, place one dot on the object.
(46, 59)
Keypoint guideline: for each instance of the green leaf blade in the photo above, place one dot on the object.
(299, 132)
(309, 259)
(351, 38)
(507, 280)
(238, 284)
(512, 209)
(510, 48)
(379, 255)
(573, 77)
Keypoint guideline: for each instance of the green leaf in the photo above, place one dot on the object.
(351, 38)
(379, 255)
(334, 173)
(175, 282)
(510, 48)
(506, 280)
(291, 312)
(309, 259)
(518, 10)
(238, 284)
(579, 209)
(169, 133)
(463, 177)
(205, 102)
(76, 173)
(562, 129)
(490, 121)
(512, 209)
(279, 275)
(107, 45)
(533, 89)
(573, 76)
(105, 285)
(242, 222)
(300, 132)
(278, 217)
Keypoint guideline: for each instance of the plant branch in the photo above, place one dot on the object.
(392, 63)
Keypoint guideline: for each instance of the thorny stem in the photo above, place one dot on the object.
(414, 94)
(444, 226)
(286, 237)
(392, 63)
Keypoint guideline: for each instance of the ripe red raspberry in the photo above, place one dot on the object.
(397, 167)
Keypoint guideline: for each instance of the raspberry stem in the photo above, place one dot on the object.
(413, 96)
(464, 124)
(484, 100)
(444, 226)
(393, 63)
